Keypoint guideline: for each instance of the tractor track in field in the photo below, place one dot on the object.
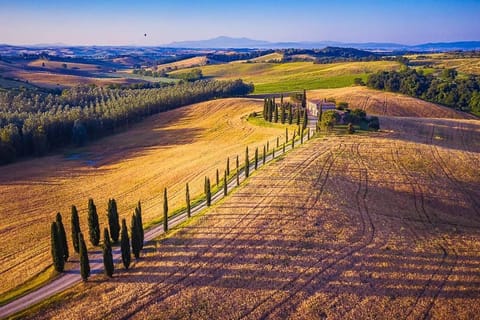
(419, 204)
(367, 236)
(170, 288)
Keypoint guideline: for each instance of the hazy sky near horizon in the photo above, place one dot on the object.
(123, 22)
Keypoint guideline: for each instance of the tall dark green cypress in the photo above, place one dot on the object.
(125, 245)
(305, 119)
(293, 140)
(208, 193)
(225, 183)
(286, 135)
(275, 115)
(265, 109)
(62, 235)
(301, 135)
(304, 99)
(238, 172)
(56, 249)
(84, 262)
(138, 216)
(297, 113)
(268, 146)
(247, 164)
(282, 114)
(113, 220)
(187, 200)
(217, 178)
(75, 226)
(165, 210)
(93, 226)
(108, 266)
(290, 114)
(228, 166)
(264, 155)
(270, 110)
(278, 142)
(135, 235)
(256, 158)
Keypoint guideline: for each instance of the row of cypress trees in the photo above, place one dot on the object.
(59, 246)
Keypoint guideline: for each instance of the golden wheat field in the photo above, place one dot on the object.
(166, 150)
(344, 227)
(386, 103)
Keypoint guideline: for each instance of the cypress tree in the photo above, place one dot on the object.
(113, 220)
(268, 146)
(225, 183)
(238, 173)
(281, 99)
(270, 110)
(264, 154)
(75, 221)
(301, 136)
(247, 163)
(293, 141)
(56, 248)
(304, 99)
(275, 115)
(62, 236)
(93, 226)
(265, 109)
(290, 114)
(187, 199)
(135, 235)
(138, 216)
(208, 194)
(228, 166)
(84, 262)
(305, 119)
(256, 158)
(278, 142)
(217, 179)
(125, 245)
(108, 266)
(298, 116)
(165, 210)
(286, 134)
(282, 113)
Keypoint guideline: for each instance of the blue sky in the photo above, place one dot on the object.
(124, 22)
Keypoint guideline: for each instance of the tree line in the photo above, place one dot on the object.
(286, 112)
(447, 89)
(34, 123)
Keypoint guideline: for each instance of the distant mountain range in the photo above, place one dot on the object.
(237, 43)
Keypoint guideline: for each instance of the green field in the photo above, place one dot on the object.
(284, 77)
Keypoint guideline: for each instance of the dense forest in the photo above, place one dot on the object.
(448, 89)
(34, 123)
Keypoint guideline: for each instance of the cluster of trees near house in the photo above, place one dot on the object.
(286, 112)
(132, 243)
(34, 123)
(447, 89)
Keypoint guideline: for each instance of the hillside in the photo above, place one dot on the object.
(342, 228)
(387, 103)
(165, 150)
(186, 63)
(285, 77)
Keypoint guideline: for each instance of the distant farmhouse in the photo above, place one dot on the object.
(314, 106)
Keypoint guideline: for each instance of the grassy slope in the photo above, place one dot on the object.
(284, 77)
(344, 227)
(167, 150)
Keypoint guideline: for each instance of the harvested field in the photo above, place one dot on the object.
(166, 150)
(59, 65)
(354, 227)
(57, 80)
(387, 103)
